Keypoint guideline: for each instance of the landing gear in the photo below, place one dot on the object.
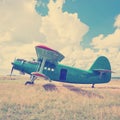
(29, 82)
(32, 78)
(93, 86)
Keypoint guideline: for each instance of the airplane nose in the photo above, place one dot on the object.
(13, 67)
(17, 64)
(12, 63)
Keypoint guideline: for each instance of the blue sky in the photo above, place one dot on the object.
(80, 29)
(99, 15)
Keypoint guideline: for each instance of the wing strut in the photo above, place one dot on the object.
(44, 54)
(42, 65)
(34, 75)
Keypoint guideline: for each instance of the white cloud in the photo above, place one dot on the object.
(110, 46)
(62, 29)
(9, 53)
(78, 57)
(63, 32)
(117, 21)
(21, 28)
(5, 37)
(110, 41)
(19, 22)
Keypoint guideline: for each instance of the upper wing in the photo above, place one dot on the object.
(49, 54)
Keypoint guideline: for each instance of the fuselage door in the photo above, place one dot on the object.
(63, 74)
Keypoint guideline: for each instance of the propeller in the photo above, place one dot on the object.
(12, 67)
(11, 71)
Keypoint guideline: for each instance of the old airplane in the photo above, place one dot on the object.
(48, 67)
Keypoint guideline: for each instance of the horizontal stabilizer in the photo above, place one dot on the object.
(103, 70)
(37, 74)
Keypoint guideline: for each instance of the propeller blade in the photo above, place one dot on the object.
(11, 71)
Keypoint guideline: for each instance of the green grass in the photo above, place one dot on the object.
(58, 101)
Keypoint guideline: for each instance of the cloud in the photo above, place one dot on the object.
(21, 28)
(110, 46)
(5, 37)
(26, 51)
(107, 42)
(117, 21)
(77, 57)
(19, 22)
(19, 31)
(111, 41)
(62, 29)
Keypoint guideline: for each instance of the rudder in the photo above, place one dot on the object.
(101, 63)
(102, 68)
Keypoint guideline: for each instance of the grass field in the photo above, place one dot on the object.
(58, 101)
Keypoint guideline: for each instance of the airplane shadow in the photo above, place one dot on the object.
(90, 94)
(108, 87)
(82, 92)
(50, 87)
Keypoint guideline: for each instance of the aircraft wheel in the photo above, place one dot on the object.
(29, 83)
(92, 85)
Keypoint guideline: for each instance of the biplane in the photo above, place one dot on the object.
(48, 67)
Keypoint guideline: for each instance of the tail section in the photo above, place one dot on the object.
(102, 68)
(101, 63)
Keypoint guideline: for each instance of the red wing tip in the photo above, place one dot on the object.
(39, 74)
(45, 47)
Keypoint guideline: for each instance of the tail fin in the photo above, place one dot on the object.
(101, 63)
(102, 67)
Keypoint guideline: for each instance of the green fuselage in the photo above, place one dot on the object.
(62, 73)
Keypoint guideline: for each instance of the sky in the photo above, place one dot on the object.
(81, 30)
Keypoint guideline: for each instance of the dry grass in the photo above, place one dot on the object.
(58, 101)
